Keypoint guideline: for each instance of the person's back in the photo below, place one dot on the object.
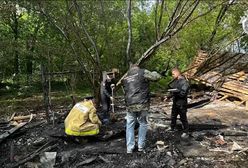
(82, 120)
(137, 98)
(136, 87)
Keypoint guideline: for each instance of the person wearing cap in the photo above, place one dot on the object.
(82, 119)
(106, 95)
(137, 98)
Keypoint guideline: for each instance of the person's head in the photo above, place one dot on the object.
(90, 98)
(107, 76)
(175, 73)
(134, 66)
(110, 77)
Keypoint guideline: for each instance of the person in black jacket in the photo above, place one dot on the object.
(137, 98)
(179, 92)
(106, 95)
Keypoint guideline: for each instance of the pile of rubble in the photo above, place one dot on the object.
(227, 72)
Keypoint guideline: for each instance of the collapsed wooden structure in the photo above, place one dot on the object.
(226, 72)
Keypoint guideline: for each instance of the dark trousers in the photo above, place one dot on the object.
(105, 101)
(180, 110)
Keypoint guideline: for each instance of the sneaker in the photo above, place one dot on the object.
(141, 150)
(184, 135)
(129, 151)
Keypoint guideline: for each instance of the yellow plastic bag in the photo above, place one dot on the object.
(82, 120)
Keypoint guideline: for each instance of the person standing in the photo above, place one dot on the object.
(106, 95)
(179, 92)
(137, 98)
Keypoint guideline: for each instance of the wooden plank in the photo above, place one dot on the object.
(238, 103)
(245, 92)
(237, 84)
(239, 73)
(230, 87)
(202, 81)
(14, 129)
(237, 79)
(11, 131)
(224, 97)
(233, 94)
(23, 117)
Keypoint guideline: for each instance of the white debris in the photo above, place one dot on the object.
(236, 147)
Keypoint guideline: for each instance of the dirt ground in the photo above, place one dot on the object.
(218, 138)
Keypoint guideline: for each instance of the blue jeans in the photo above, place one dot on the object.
(132, 118)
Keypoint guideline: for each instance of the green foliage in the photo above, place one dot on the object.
(38, 41)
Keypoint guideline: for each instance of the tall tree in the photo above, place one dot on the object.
(129, 33)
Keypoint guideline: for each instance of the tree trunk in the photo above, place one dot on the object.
(96, 87)
(97, 94)
(128, 52)
(16, 34)
(30, 48)
(46, 89)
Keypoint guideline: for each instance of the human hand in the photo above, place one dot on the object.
(166, 99)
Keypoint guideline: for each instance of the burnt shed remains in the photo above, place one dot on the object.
(227, 72)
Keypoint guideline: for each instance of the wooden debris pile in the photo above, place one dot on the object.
(226, 72)
(13, 124)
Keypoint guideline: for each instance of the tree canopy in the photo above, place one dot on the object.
(88, 37)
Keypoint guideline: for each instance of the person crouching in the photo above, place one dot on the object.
(82, 119)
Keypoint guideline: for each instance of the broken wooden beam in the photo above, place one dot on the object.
(11, 131)
(17, 118)
(224, 97)
(14, 129)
